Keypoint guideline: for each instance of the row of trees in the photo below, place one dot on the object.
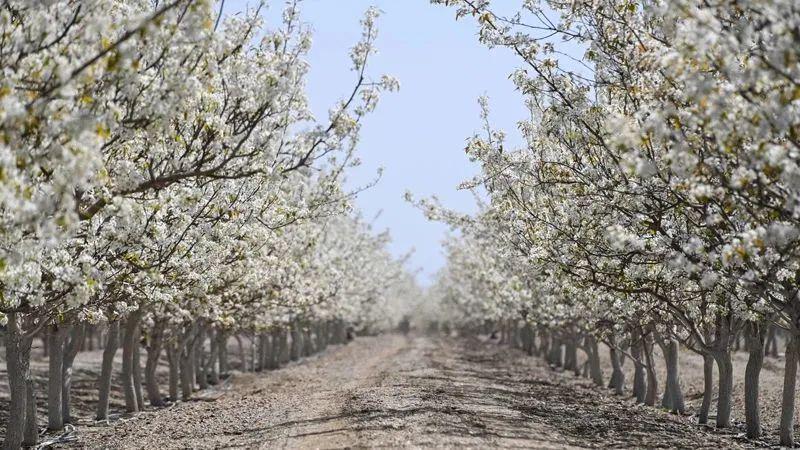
(657, 198)
(162, 176)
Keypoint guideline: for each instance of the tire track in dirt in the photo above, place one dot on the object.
(393, 391)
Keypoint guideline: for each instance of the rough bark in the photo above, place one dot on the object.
(754, 341)
(174, 358)
(112, 343)
(186, 358)
(200, 358)
(128, 345)
(154, 347)
(725, 391)
(222, 346)
(789, 386)
(639, 382)
(673, 396)
(55, 385)
(262, 352)
(652, 379)
(71, 349)
(137, 369)
(617, 381)
(283, 357)
(18, 350)
(242, 356)
(772, 341)
(593, 353)
(570, 353)
(31, 425)
(295, 349)
(308, 342)
(212, 367)
(708, 388)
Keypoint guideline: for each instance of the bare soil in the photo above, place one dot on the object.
(395, 391)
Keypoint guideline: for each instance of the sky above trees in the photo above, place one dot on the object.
(417, 135)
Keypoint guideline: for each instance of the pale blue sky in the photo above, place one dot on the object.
(418, 134)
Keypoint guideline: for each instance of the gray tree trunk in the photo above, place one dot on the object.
(617, 381)
(199, 359)
(708, 388)
(187, 356)
(55, 384)
(754, 338)
(154, 347)
(213, 357)
(308, 343)
(222, 346)
(789, 386)
(262, 351)
(174, 360)
(71, 349)
(296, 346)
(283, 356)
(593, 353)
(31, 424)
(128, 345)
(242, 355)
(18, 351)
(652, 380)
(639, 383)
(725, 370)
(275, 350)
(112, 343)
(570, 353)
(137, 369)
(673, 396)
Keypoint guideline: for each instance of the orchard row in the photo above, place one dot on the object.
(163, 179)
(655, 198)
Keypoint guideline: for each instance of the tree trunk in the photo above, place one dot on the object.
(652, 380)
(708, 388)
(71, 349)
(275, 350)
(283, 356)
(31, 424)
(556, 355)
(242, 356)
(673, 396)
(772, 346)
(789, 385)
(174, 360)
(617, 382)
(544, 343)
(296, 348)
(200, 359)
(308, 343)
(187, 373)
(222, 348)
(154, 348)
(639, 383)
(725, 370)
(213, 357)
(262, 351)
(55, 384)
(754, 340)
(137, 369)
(570, 353)
(112, 343)
(593, 353)
(128, 346)
(18, 351)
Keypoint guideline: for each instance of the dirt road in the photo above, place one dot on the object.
(393, 391)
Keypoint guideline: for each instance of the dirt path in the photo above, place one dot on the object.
(393, 391)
